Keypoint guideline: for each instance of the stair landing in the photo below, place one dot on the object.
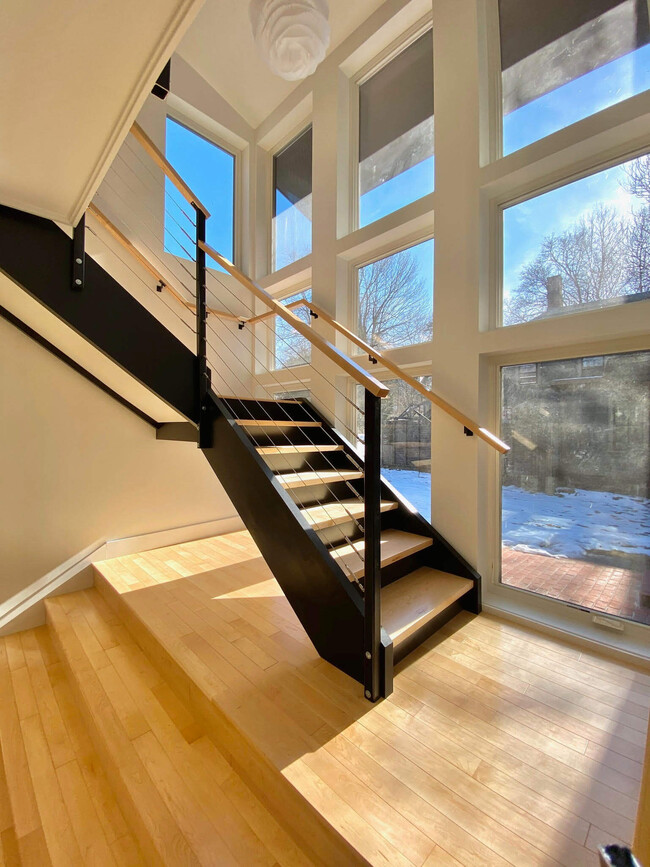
(492, 749)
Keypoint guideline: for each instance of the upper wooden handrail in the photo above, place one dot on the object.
(112, 229)
(328, 349)
(480, 432)
(140, 135)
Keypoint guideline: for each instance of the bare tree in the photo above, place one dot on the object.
(590, 257)
(394, 305)
(637, 180)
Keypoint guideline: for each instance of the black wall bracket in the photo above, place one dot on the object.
(79, 255)
(468, 432)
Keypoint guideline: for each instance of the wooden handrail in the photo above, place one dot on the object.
(140, 135)
(112, 229)
(332, 352)
(480, 432)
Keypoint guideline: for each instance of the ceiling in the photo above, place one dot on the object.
(220, 47)
(73, 75)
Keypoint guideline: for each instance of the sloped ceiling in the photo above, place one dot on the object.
(73, 75)
(219, 45)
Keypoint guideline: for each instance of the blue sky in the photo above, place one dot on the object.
(209, 172)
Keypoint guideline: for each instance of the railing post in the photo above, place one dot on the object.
(203, 374)
(372, 534)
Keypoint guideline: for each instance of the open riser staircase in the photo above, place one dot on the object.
(298, 484)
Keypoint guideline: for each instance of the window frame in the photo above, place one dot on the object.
(538, 188)
(367, 71)
(491, 139)
(353, 301)
(273, 153)
(236, 153)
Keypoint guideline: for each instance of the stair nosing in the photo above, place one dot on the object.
(341, 476)
(385, 506)
(358, 571)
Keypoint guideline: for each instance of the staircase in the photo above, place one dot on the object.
(304, 493)
(367, 576)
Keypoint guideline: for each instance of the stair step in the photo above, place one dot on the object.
(321, 477)
(395, 545)
(56, 802)
(184, 799)
(271, 422)
(412, 601)
(297, 450)
(320, 517)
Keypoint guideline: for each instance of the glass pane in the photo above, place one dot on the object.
(293, 395)
(562, 62)
(575, 507)
(583, 246)
(209, 171)
(405, 441)
(396, 298)
(396, 132)
(292, 202)
(291, 348)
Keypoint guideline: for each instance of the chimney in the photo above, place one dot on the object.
(554, 300)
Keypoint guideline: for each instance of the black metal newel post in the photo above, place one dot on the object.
(203, 375)
(372, 534)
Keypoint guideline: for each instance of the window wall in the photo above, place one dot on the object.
(548, 240)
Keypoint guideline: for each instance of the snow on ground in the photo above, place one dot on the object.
(416, 487)
(556, 525)
(576, 523)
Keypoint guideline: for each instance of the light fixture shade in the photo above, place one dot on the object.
(291, 35)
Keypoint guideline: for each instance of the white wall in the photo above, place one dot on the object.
(76, 466)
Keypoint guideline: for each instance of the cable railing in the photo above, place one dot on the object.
(162, 234)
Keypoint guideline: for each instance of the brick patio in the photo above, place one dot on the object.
(607, 589)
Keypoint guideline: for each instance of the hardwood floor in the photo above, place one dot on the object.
(499, 745)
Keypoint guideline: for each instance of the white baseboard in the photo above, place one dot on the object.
(26, 609)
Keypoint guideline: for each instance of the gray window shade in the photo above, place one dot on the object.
(393, 105)
(546, 45)
(292, 172)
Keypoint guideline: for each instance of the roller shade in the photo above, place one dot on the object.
(397, 98)
(546, 45)
(292, 172)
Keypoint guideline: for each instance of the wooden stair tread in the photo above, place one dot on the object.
(411, 601)
(320, 517)
(196, 804)
(297, 450)
(273, 422)
(319, 477)
(395, 545)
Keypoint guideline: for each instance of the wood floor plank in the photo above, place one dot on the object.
(500, 745)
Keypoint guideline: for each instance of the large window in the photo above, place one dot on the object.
(210, 172)
(575, 507)
(563, 61)
(396, 298)
(396, 132)
(292, 201)
(405, 441)
(291, 348)
(585, 245)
